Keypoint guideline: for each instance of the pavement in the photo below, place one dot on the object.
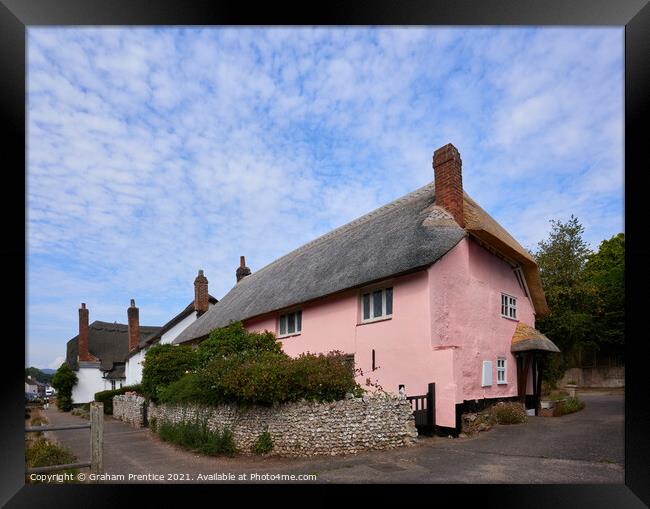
(584, 447)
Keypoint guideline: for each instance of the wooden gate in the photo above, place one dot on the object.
(424, 410)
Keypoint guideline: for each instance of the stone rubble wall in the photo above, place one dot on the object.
(352, 425)
(130, 408)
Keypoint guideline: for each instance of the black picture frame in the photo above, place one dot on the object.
(634, 15)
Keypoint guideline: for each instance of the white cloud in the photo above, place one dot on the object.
(155, 152)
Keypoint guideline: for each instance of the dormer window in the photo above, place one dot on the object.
(377, 304)
(290, 324)
(508, 306)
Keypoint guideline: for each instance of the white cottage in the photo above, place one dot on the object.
(98, 353)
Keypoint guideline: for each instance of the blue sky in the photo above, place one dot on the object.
(153, 153)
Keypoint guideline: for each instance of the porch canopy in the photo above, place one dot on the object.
(530, 347)
(526, 339)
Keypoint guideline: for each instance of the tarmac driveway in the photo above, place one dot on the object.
(585, 447)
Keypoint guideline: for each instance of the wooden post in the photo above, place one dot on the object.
(431, 406)
(96, 438)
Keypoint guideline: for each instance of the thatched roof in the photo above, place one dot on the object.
(107, 341)
(526, 338)
(481, 225)
(406, 235)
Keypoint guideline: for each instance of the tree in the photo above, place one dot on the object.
(63, 381)
(605, 271)
(562, 259)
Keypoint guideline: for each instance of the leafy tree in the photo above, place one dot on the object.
(64, 381)
(605, 271)
(585, 293)
(562, 259)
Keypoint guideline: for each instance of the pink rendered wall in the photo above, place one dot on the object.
(466, 286)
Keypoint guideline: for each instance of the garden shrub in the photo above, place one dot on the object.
(44, 453)
(235, 339)
(321, 377)
(190, 388)
(509, 413)
(196, 436)
(164, 364)
(236, 366)
(264, 443)
(569, 406)
(106, 397)
(63, 381)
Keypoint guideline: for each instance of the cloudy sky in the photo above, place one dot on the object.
(153, 153)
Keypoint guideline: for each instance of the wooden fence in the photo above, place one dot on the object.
(96, 426)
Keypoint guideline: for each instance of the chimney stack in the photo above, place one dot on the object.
(447, 168)
(133, 315)
(242, 270)
(84, 330)
(200, 294)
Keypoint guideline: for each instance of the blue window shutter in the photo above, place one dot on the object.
(487, 374)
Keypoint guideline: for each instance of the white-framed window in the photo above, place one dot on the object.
(508, 306)
(376, 304)
(501, 370)
(486, 379)
(112, 385)
(290, 324)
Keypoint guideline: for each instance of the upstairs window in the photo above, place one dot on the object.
(377, 304)
(508, 306)
(290, 324)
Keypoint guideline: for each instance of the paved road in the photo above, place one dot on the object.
(585, 447)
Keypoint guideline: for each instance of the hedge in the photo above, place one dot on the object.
(106, 397)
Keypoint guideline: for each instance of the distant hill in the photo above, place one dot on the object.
(42, 375)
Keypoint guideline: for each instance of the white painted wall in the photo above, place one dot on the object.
(133, 368)
(134, 364)
(89, 382)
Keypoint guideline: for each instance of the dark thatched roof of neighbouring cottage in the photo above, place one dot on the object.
(107, 341)
(152, 339)
(407, 234)
(526, 338)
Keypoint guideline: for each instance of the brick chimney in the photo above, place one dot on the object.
(242, 270)
(447, 168)
(84, 330)
(133, 314)
(200, 294)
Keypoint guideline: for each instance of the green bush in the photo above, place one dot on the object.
(509, 413)
(190, 388)
(264, 443)
(569, 406)
(196, 436)
(236, 366)
(106, 397)
(276, 378)
(164, 364)
(234, 339)
(63, 381)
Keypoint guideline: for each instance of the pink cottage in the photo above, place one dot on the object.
(426, 289)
